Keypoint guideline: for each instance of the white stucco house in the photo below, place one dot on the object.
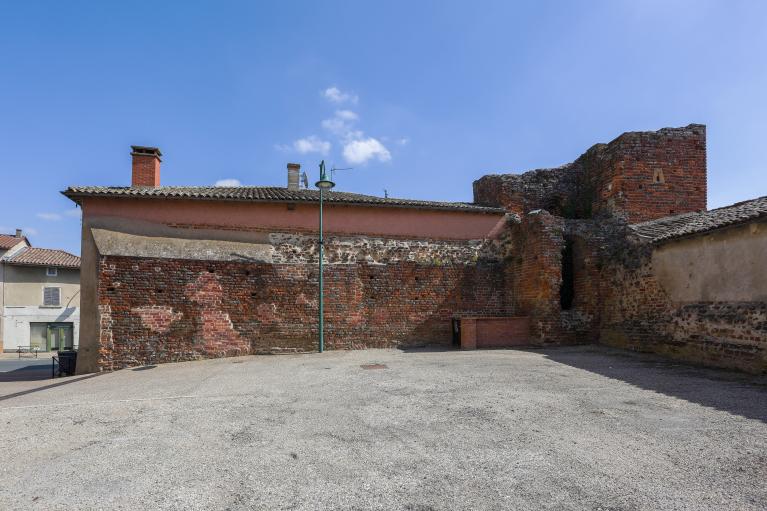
(39, 296)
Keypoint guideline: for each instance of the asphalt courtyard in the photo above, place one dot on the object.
(568, 428)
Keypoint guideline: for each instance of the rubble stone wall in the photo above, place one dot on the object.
(638, 313)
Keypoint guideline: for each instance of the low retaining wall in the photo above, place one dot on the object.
(493, 332)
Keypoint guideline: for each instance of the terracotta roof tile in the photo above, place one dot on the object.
(44, 257)
(266, 194)
(687, 224)
(9, 241)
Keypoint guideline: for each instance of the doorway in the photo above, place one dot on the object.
(51, 336)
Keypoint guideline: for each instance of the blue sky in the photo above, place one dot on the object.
(420, 97)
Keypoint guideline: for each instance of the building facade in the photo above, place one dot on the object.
(40, 296)
(179, 273)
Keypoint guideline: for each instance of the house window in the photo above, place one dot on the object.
(51, 272)
(52, 296)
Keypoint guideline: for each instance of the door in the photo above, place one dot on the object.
(60, 336)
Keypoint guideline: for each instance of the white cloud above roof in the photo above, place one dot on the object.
(336, 95)
(312, 144)
(360, 151)
(341, 123)
(228, 182)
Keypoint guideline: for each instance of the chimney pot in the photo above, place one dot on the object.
(19, 233)
(293, 171)
(146, 166)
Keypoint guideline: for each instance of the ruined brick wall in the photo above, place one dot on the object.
(638, 314)
(533, 274)
(638, 176)
(589, 240)
(547, 189)
(649, 175)
(378, 293)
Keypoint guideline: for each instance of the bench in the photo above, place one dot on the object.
(27, 349)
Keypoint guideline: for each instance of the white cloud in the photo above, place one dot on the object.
(403, 141)
(347, 115)
(74, 212)
(49, 216)
(362, 150)
(341, 123)
(312, 144)
(336, 95)
(228, 182)
(30, 230)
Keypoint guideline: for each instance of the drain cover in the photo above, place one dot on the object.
(374, 366)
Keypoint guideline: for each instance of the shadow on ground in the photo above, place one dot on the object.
(58, 383)
(737, 393)
(25, 370)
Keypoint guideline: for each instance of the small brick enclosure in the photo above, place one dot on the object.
(616, 247)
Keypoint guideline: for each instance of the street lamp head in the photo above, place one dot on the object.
(324, 184)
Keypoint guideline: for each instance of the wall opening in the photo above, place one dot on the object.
(567, 288)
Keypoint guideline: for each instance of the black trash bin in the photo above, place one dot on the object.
(67, 362)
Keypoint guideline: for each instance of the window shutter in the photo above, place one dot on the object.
(51, 296)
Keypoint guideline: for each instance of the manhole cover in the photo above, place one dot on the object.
(373, 366)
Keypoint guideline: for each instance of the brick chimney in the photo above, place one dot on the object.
(19, 233)
(293, 170)
(146, 166)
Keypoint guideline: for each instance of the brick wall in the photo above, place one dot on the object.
(163, 310)
(546, 189)
(638, 176)
(649, 175)
(533, 274)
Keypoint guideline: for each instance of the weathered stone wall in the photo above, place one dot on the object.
(621, 299)
(638, 313)
(378, 293)
(638, 176)
(721, 334)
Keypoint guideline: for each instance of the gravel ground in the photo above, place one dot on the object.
(568, 428)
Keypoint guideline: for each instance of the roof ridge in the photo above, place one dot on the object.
(47, 250)
(735, 204)
(670, 217)
(39, 256)
(688, 224)
(269, 194)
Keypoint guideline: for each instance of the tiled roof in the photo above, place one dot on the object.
(44, 257)
(266, 194)
(9, 241)
(688, 224)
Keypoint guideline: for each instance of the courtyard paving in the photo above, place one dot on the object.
(568, 428)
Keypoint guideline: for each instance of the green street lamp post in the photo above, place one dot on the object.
(323, 184)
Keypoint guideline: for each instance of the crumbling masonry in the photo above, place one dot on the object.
(616, 248)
